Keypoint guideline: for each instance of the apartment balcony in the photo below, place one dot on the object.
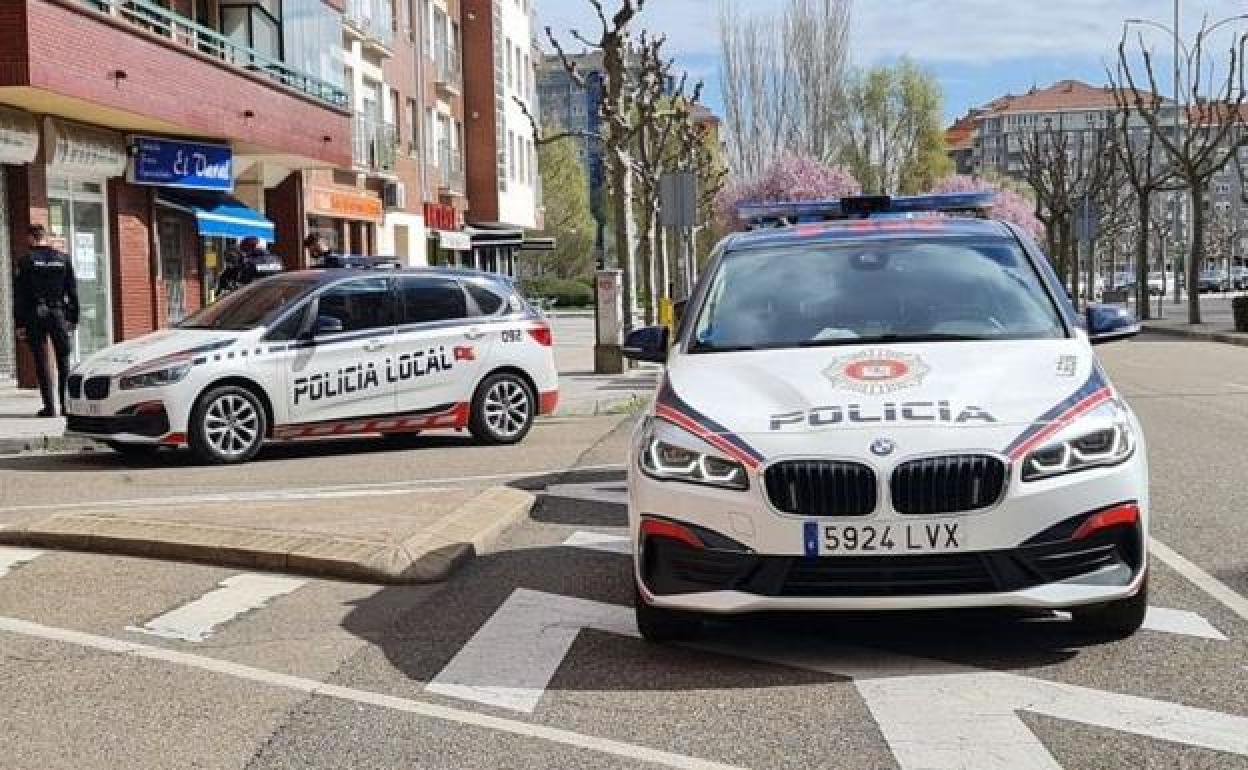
(137, 67)
(448, 70)
(372, 21)
(158, 20)
(450, 164)
(374, 144)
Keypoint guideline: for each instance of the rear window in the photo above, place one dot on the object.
(487, 301)
(902, 290)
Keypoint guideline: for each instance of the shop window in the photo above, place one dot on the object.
(426, 299)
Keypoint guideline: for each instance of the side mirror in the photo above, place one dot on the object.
(1106, 323)
(326, 324)
(648, 343)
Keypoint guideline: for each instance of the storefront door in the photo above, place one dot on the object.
(171, 273)
(77, 224)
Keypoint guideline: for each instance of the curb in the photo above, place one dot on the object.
(1228, 338)
(604, 406)
(428, 556)
(17, 446)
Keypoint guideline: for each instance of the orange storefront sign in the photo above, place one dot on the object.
(344, 204)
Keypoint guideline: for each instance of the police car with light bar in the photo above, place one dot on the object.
(884, 403)
(323, 353)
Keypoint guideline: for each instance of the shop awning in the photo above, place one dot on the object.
(501, 235)
(219, 215)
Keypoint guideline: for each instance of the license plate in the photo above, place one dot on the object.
(893, 537)
(84, 408)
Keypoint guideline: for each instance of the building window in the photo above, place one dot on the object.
(413, 128)
(255, 24)
(511, 155)
(510, 68)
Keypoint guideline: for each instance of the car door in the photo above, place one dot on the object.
(341, 368)
(441, 344)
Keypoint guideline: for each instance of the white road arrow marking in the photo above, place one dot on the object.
(512, 658)
(612, 492)
(932, 714)
(15, 557)
(197, 620)
(600, 541)
(1181, 622)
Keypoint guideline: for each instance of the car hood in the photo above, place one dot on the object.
(994, 396)
(159, 345)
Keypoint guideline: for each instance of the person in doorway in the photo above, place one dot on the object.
(257, 261)
(319, 254)
(46, 303)
(228, 280)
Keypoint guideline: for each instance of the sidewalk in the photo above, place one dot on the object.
(1222, 330)
(21, 431)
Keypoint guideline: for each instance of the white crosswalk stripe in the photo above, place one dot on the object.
(600, 541)
(11, 558)
(197, 620)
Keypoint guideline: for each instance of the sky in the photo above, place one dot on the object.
(977, 49)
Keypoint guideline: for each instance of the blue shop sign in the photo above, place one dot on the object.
(189, 165)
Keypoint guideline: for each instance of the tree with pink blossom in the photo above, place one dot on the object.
(1009, 204)
(790, 178)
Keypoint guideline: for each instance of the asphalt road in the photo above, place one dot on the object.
(527, 658)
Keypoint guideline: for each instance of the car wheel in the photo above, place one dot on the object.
(227, 426)
(132, 450)
(659, 625)
(1114, 620)
(503, 409)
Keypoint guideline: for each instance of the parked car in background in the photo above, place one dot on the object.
(1213, 280)
(1156, 284)
(1239, 278)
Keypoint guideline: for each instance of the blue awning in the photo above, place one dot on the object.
(217, 214)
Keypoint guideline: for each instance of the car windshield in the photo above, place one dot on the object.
(251, 306)
(899, 290)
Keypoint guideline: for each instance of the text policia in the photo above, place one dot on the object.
(361, 376)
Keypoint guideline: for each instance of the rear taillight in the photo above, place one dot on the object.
(542, 334)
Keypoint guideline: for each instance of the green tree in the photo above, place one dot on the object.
(894, 142)
(565, 185)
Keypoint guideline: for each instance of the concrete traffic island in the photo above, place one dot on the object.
(407, 537)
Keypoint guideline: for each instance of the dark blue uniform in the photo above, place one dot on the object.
(46, 295)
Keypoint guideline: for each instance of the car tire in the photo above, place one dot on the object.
(1114, 620)
(503, 409)
(659, 625)
(228, 426)
(132, 450)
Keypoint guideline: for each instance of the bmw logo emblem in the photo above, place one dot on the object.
(882, 447)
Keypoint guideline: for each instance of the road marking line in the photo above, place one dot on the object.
(600, 541)
(1203, 580)
(313, 687)
(511, 659)
(1182, 622)
(197, 620)
(610, 492)
(299, 493)
(11, 558)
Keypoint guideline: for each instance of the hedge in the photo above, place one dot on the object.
(565, 293)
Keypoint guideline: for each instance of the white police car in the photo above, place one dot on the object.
(325, 353)
(897, 410)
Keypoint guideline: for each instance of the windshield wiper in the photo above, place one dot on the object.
(833, 341)
(701, 347)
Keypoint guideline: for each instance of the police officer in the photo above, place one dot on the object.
(46, 299)
(319, 254)
(228, 280)
(257, 261)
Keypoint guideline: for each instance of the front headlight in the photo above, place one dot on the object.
(157, 377)
(669, 462)
(1097, 449)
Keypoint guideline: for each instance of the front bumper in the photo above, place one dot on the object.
(143, 423)
(1052, 570)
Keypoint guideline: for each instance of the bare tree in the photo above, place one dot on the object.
(1067, 167)
(1144, 168)
(1209, 132)
(783, 81)
(617, 113)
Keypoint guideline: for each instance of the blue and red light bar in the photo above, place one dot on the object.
(788, 213)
